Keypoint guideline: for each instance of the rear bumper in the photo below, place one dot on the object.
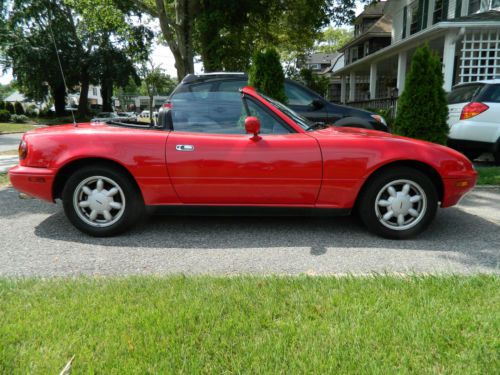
(465, 145)
(33, 181)
(455, 188)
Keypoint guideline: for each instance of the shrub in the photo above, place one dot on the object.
(18, 107)
(422, 108)
(266, 74)
(4, 115)
(2, 105)
(315, 82)
(19, 119)
(9, 107)
(31, 111)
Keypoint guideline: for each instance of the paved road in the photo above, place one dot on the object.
(10, 141)
(36, 239)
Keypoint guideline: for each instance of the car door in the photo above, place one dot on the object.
(311, 106)
(212, 161)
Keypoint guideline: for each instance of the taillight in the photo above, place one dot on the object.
(167, 105)
(23, 150)
(473, 109)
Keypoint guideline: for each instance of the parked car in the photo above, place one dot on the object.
(144, 116)
(130, 116)
(231, 151)
(474, 118)
(301, 99)
(106, 116)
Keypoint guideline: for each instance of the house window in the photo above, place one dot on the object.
(474, 6)
(440, 11)
(405, 15)
(314, 66)
(94, 91)
(414, 24)
(480, 56)
(458, 9)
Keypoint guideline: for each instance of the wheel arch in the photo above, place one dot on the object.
(69, 168)
(427, 169)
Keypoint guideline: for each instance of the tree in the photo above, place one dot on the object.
(332, 39)
(266, 74)
(10, 108)
(315, 82)
(422, 108)
(154, 82)
(233, 29)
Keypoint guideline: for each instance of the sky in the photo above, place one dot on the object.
(161, 56)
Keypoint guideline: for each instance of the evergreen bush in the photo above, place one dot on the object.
(422, 109)
(4, 115)
(266, 74)
(18, 107)
(2, 105)
(19, 119)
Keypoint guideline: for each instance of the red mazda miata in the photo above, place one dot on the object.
(237, 151)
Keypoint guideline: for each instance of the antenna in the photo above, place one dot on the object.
(60, 65)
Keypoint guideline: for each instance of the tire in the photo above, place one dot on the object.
(410, 215)
(102, 189)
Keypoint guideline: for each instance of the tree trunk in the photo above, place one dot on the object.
(83, 102)
(59, 95)
(179, 33)
(106, 93)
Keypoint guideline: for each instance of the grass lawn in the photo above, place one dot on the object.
(7, 127)
(4, 179)
(488, 176)
(420, 325)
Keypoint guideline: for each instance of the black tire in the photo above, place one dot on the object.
(378, 185)
(129, 196)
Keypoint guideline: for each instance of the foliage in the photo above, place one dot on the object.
(315, 82)
(255, 325)
(2, 104)
(422, 108)
(266, 74)
(332, 39)
(154, 82)
(225, 33)
(4, 115)
(19, 109)
(6, 90)
(4, 179)
(488, 176)
(10, 108)
(19, 119)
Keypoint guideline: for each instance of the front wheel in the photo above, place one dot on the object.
(398, 203)
(101, 201)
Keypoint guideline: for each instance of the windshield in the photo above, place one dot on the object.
(300, 120)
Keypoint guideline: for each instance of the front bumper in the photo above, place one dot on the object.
(455, 188)
(33, 181)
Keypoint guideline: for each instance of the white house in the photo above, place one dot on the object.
(465, 34)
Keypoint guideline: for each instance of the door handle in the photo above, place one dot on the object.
(184, 148)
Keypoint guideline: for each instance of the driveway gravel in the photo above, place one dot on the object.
(37, 240)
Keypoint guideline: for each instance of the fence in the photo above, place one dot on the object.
(386, 104)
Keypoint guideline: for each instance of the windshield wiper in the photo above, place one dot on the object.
(317, 125)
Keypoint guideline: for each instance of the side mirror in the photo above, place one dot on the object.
(317, 104)
(252, 126)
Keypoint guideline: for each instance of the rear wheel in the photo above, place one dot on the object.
(398, 203)
(101, 201)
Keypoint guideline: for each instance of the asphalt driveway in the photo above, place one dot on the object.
(36, 239)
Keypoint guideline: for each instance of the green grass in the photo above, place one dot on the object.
(4, 179)
(419, 325)
(488, 176)
(7, 127)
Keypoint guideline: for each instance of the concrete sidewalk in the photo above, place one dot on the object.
(10, 142)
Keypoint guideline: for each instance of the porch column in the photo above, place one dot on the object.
(373, 81)
(449, 60)
(402, 57)
(352, 86)
(343, 87)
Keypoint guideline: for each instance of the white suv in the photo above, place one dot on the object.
(474, 118)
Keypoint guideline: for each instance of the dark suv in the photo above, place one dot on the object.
(301, 99)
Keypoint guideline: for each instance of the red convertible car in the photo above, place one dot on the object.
(236, 151)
